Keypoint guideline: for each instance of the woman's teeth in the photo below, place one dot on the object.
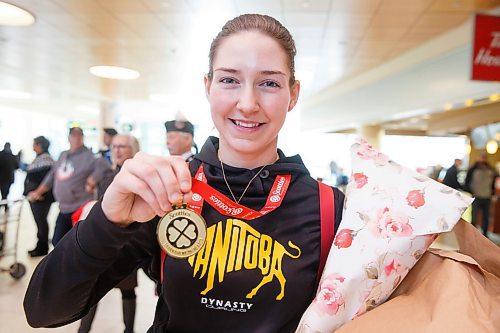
(244, 124)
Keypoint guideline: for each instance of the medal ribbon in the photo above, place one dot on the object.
(202, 191)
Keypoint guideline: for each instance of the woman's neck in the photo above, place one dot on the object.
(247, 160)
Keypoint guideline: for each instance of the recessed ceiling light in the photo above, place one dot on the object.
(469, 102)
(14, 94)
(114, 72)
(491, 147)
(14, 16)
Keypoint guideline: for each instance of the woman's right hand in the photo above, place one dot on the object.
(146, 186)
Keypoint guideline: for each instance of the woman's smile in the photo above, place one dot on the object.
(246, 126)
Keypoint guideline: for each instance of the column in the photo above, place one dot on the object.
(371, 133)
(106, 119)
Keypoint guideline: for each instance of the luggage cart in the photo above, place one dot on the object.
(10, 217)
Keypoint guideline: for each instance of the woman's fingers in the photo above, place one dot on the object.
(148, 174)
(175, 178)
(147, 185)
(182, 174)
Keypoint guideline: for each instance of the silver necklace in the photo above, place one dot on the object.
(246, 188)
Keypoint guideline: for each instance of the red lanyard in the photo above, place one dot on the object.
(202, 191)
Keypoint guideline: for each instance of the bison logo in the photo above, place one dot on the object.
(239, 247)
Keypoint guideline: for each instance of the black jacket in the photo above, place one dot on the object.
(210, 292)
(8, 165)
(35, 174)
(450, 178)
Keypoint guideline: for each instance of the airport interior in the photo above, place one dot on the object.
(419, 80)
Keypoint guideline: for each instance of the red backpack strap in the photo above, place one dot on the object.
(327, 216)
(163, 255)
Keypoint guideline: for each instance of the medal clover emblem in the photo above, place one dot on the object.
(181, 233)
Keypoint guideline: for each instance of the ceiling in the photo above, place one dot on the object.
(167, 42)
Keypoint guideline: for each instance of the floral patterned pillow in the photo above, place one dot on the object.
(391, 216)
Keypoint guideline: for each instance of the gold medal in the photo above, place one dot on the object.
(182, 232)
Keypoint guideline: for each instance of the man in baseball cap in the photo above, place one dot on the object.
(180, 138)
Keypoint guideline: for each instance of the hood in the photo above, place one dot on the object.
(238, 178)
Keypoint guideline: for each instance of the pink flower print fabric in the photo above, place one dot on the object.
(391, 216)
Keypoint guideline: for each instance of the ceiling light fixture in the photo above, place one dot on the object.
(14, 16)
(494, 97)
(469, 102)
(114, 72)
(14, 94)
(491, 147)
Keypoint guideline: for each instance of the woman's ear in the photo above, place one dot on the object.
(208, 83)
(294, 95)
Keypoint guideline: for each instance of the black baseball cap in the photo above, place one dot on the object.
(110, 131)
(179, 126)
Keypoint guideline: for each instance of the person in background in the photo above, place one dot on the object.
(450, 178)
(480, 181)
(35, 173)
(8, 165)
(123, 147)
(180, 138)
(67, 180)
(109, 133)
(255, 273)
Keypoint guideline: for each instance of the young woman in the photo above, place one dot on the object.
(258, 268)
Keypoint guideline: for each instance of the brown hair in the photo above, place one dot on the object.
(267, 25)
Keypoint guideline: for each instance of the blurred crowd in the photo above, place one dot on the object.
(75, 181)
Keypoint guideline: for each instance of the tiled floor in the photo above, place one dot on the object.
(109, 313)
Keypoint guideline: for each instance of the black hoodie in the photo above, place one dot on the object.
(259, 277)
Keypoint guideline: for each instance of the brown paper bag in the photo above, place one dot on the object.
(445, 292)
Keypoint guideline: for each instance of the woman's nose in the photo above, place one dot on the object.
(248, 100)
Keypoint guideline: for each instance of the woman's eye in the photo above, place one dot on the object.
(270, 84)
(228, 80)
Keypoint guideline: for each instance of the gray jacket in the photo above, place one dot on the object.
(68, 176)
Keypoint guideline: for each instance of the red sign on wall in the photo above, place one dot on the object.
(486, 52)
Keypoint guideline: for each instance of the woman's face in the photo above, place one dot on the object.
(249, 93)
(37, 148)
(120, 150)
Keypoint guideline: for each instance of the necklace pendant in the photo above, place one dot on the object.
(182, 232)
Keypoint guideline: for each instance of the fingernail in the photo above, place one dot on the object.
(185, 184)
(176, 197)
